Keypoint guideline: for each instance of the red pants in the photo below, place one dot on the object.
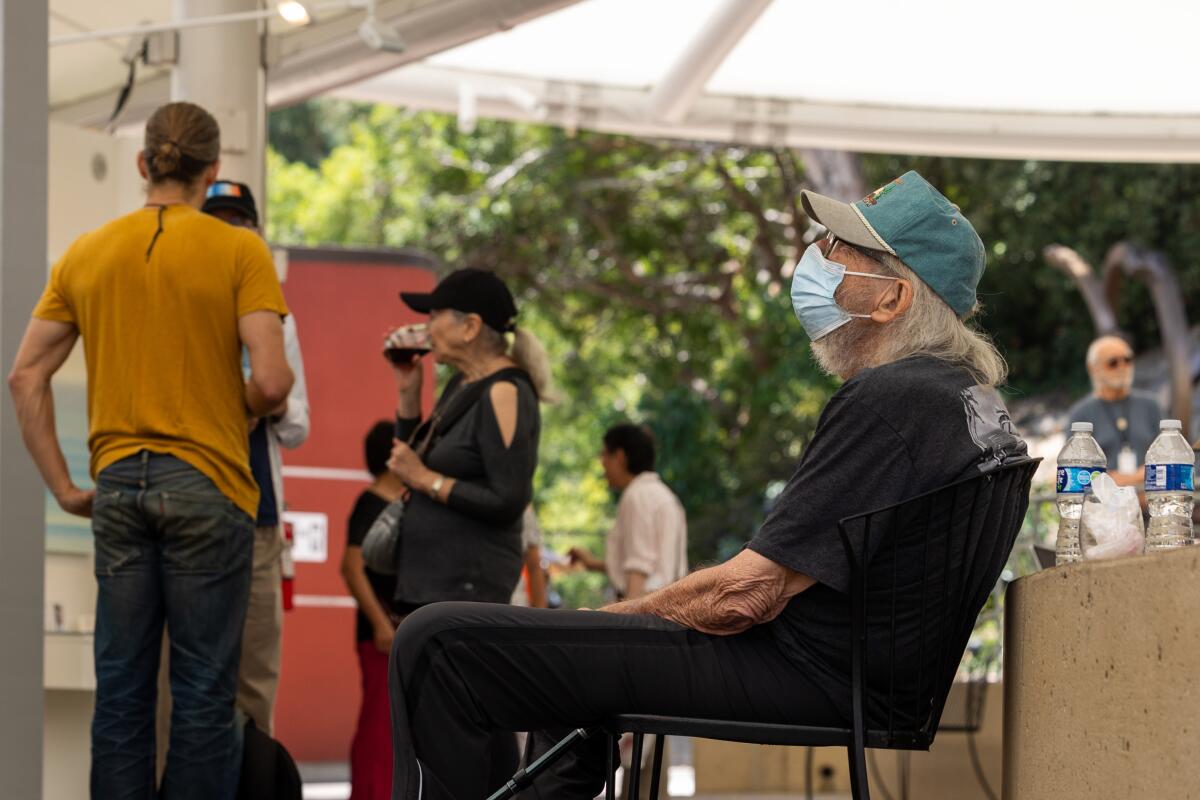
(371, 750)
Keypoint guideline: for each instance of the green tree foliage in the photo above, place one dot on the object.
(655, 272)
(309, 131)
(1019, 207)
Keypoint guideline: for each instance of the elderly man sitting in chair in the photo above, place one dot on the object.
(763, 637)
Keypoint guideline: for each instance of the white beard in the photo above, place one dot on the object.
(1123, 385)
(841, 353)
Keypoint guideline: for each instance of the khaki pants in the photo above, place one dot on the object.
(258, 672)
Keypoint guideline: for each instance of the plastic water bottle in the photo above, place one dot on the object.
(1080, 460)
(1170, 464)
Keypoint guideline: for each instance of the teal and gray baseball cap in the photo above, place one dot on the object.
(913, 221)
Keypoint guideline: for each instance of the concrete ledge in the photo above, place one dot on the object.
(1101, 696)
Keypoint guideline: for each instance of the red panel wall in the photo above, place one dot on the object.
(344, 304)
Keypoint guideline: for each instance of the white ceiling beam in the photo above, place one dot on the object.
(687, 77)
(785, 123)
(213, 21)
(310, 61)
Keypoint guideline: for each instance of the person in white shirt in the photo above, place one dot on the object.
(647, 546)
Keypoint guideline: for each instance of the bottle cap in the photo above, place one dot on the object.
(1081, 427)
(1170, 425)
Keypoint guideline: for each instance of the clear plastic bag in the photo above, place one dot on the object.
(1111, 523)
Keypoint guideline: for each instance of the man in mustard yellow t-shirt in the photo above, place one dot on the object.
(164, 300)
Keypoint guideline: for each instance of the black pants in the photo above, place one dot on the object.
(461, 671)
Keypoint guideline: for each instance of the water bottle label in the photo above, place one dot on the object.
(1169, 477)
(1077, 480)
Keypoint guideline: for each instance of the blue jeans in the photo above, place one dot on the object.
(169, 547)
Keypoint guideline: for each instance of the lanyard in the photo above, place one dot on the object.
(1120, 423)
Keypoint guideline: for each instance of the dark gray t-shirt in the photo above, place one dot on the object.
(1141, 412)
(889, 434)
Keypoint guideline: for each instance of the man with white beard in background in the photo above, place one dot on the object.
(1124, 420)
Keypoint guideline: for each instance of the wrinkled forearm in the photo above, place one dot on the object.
(720, 600)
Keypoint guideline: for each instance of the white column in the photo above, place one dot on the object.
(221, 68)
(23, 156)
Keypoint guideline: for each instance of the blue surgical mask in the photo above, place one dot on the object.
(813, 285)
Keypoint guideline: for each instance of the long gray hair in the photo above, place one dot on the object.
(524, 348)
(930, 327)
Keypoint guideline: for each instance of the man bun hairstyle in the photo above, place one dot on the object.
(636, 441)
(182, 140)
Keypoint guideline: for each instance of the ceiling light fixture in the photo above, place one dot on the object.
(295, 12)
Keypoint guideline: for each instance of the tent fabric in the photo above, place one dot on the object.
(1023, 79)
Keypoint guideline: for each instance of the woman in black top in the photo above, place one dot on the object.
(461, 536)
(462, 526)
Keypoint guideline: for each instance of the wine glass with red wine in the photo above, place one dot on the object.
(406, 343)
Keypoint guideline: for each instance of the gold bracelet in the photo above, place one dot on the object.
(435, 488)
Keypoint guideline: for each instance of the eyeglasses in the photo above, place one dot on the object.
(1118, 361)
(830, 242)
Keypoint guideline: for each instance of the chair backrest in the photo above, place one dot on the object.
(921, 572)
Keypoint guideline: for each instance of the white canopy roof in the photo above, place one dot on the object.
(1020, 55)
(85, 78)
(1105, 80)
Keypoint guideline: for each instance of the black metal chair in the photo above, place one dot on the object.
(962, 535)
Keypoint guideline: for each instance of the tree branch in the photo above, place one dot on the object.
(788, 172)
(836, 173)
(764, 239)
